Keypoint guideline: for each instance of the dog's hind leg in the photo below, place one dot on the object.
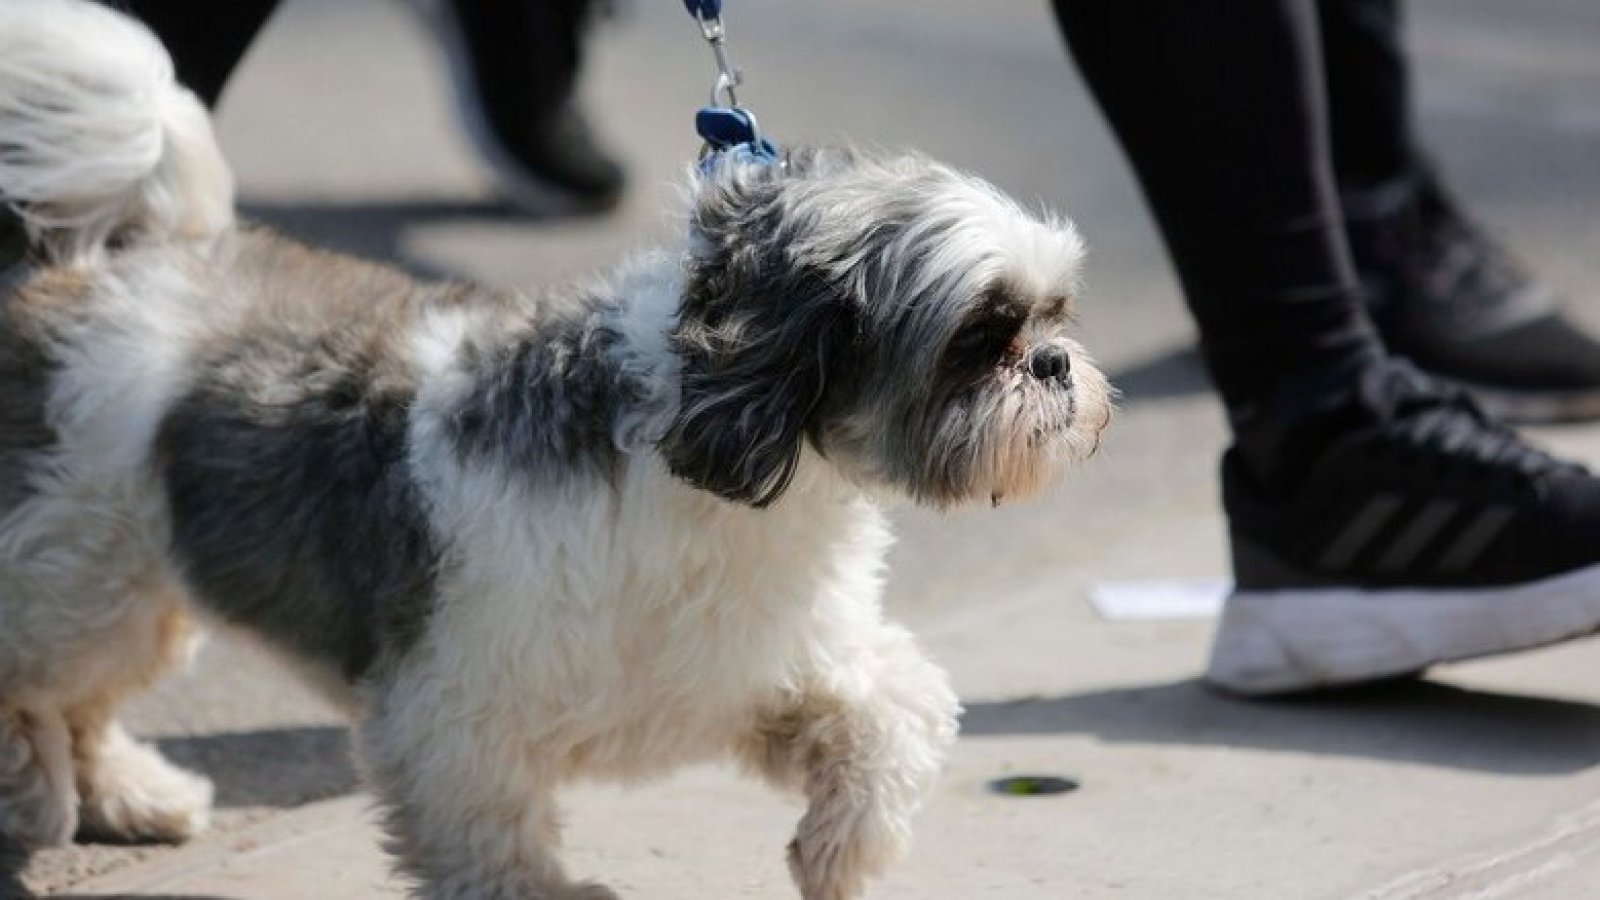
(38, 803)
(127, 791)
(864, 742)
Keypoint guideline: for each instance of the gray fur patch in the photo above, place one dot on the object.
(545, 403)
(764, 334)
(286, 468)
(28, 310)
(297, 518)
(13, 243)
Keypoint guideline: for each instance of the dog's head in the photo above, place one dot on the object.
(909, 321)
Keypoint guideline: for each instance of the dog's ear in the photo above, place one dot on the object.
(760, 334)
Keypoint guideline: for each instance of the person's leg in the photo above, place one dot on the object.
(542, 38)
(515, 65)
(1379, 524)
(207, 42)
(1219, 105)
(1443, 292)
(1369, 93)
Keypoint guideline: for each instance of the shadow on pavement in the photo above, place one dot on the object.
(281, 767)
(1174, 373)
(1410, 721)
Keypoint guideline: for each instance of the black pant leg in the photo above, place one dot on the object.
(526, 54)
(206, 38)
(1220, 106)
(1369, 92)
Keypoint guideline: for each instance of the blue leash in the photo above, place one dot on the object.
(726, 127)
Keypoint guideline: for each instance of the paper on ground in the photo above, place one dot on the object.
(1140, 601)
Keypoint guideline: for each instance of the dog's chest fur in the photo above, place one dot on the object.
(653, 626)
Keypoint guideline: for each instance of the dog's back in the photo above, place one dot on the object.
(178, 392)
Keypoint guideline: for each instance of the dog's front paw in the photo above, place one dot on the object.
(835, 852)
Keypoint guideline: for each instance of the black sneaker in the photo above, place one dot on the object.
(1452, 300)
(513, 65)
(1421, 532)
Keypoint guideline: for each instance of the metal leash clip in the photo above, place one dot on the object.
(724, 125)
(728, 76)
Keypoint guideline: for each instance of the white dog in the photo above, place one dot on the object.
(602, 534)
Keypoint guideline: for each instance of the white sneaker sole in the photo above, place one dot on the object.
(1278, 642)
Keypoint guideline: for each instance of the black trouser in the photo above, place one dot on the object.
(1244, 119)
(536, 44)
(206, 40)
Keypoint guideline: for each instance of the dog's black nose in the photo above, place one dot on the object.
(1050, 362)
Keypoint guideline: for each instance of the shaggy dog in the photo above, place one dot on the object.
(525, 540)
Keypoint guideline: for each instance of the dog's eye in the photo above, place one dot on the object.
(986, 341)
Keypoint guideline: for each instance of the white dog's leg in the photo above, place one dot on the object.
(468, 813)
(129, 792)
(38, 804)
(865, 743)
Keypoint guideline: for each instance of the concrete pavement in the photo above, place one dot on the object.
(1482, 782)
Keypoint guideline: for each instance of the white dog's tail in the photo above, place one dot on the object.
(99, 146)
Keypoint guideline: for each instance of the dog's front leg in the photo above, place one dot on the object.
(864, 739)
(469, 805)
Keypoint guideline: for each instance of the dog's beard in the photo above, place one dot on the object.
(1012, 436)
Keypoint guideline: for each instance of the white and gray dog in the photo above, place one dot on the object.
(526, 541)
